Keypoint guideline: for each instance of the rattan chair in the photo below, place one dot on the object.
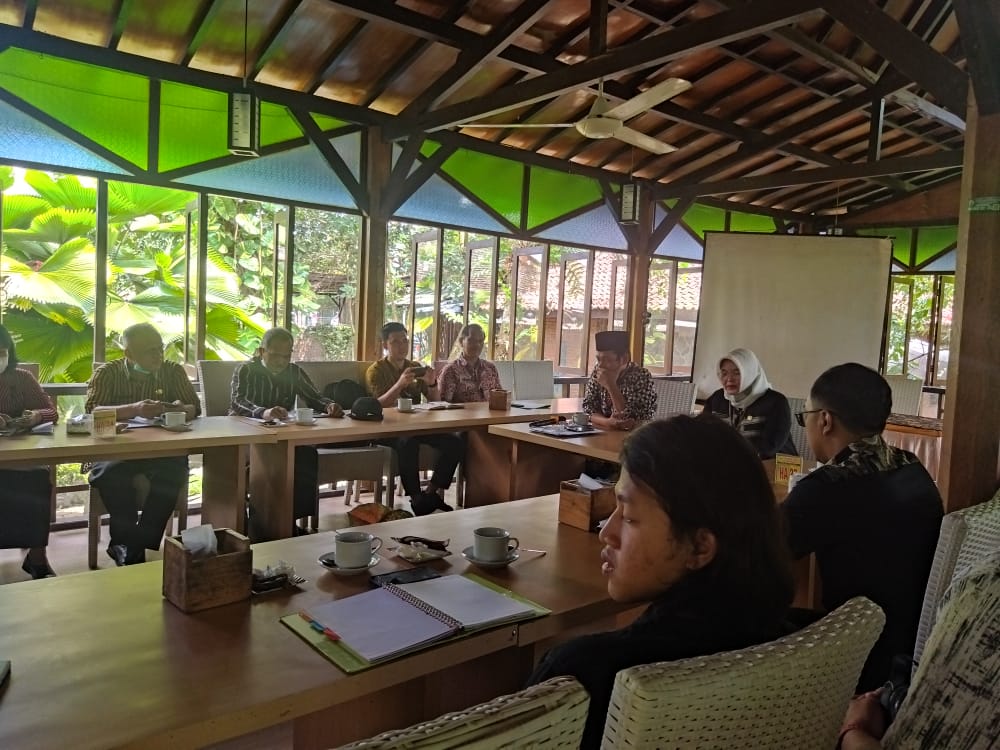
(673, 397)
(549, 715)
(952, 700)
(906, 393)
(790, 693)
(967, 537)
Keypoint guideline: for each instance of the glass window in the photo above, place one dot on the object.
(482, 292)
(908, 345)
(658, 353)
(686, 302)
(528, 292)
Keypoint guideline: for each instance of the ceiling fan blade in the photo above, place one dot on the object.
(643, 141)
(648, 99)
(517, 125)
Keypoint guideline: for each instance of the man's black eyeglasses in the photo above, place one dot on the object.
(799, 416)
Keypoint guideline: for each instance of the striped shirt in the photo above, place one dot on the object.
(19, 391)
(116, 383)
(256, 389)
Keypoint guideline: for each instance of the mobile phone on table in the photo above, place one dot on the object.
(411, 575)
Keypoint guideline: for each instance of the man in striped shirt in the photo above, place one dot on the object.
(266, 387)
(141, 384)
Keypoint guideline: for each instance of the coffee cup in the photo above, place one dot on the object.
(354, 549)
(493, 544)
(404, 404)
(174, 419)
(581, 419)
(304, 415)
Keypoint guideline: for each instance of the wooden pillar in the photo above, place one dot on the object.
(642, 253)
(968, 473)
(374, 239)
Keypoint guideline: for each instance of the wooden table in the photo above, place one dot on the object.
(222, 441)
(272, 465)
(100, 660)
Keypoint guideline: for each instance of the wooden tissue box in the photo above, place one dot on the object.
(584, 508)
(500, 400)
(194, 584)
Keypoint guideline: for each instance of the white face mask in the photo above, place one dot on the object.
(3, 362)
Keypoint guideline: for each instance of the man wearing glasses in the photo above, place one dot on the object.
(871, 512)
(140, 384)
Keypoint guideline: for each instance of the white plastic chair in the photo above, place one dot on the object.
(551, 714)
(534, 379)
(216, 378)
(506, 372)
(967, 537)
(952, 701)
(906, 394)
(673, 397)
(790, 693)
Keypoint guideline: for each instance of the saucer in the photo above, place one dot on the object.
(511, 557)
(327, 561)
(305, 424)
(177, 428)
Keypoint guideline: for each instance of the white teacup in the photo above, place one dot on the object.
(404, 404)
(354, 549)
(581, 418)
(493, 544)
(304, 415)
(174, 418)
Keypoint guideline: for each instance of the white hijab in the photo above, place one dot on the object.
(753, 381)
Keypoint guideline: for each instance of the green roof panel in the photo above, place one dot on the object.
(110, 107)
(428, 148)
(741, 222)
(701, 219)
(193, 125)
(276, 125)
(325, 122)
(553, 194)
(902, 239)
(494, 181)
(932, 240)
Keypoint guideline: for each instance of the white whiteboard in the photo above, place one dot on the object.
(802, 304)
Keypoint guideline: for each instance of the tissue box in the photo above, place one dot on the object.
(584, 508)
(194, 584)
(499, 399)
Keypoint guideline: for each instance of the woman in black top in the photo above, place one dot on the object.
(695, 533)
(747, 401)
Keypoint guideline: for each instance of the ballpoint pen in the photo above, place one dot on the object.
(319, 627)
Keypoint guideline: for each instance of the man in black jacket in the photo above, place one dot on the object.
(871, 513)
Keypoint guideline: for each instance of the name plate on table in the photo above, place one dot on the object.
(785, 466)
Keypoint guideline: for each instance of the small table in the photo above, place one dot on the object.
(919, 435)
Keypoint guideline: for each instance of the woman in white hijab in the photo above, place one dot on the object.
(747, 401)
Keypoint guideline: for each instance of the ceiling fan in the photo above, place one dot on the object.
(606, 121)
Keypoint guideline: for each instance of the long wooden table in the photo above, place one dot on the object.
(223, 442)
(272, 465)
(100, 660)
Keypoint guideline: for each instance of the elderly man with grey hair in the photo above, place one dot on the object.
(140, 384)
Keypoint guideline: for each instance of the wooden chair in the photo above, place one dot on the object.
(906, 393)
(533, 379)
(967, 537)
(96, 510)
(790, 693)
(673, 397)
(549, 715)
(952, 699)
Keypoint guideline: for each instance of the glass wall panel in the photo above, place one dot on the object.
(425, 264)
(528, 294)
(659, 303)
(326, 274)
(502, 320)
(574, 310)
(47, 271)
(482, 252)
(688, 298)
(908, 347)
(553, 302)
(454, 289)
(945, 307)
(607, 301)
(399, 271)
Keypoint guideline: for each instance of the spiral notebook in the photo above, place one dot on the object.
(388, 622)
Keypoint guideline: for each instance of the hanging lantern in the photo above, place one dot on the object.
(629, 204)
(244, 124)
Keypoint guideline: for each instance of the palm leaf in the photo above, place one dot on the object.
(128, 201)
(6, 177)
(54, 347)
(56, 226)
(65, 191)
(66, 277)
(19, 210)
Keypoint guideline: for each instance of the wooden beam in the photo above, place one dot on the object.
(875, 130)
(968, 470)
(979, 24)
(336, 162)
(704, 33)
(910, 54)
(642, 255)
(902, 165)
(671, 220)
(374, 241)
(938, 204)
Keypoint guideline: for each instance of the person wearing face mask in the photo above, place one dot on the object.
(469, 378)
(267, 387)
(710, 561)
(747, 401)
(24, 493)
(140, 384)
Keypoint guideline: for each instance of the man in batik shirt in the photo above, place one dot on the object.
(619, 393)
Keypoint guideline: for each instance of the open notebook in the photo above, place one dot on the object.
(437, 406)
(384, 623)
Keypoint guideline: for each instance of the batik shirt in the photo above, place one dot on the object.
(464, 383)
(636, 385)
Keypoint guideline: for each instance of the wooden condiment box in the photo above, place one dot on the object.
(500, 400)
(194, 584)
(584, 508)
